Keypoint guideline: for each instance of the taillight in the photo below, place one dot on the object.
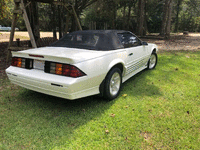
(63, 69)
(15, 61)
(18, 62)
(22, 62)
(72, 71)
(66, 70)
(58, 68)
(75, 72)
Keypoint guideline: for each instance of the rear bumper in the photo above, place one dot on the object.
(60, 86)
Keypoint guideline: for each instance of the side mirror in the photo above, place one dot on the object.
(144, 43)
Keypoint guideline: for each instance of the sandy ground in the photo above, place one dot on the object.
(177, 41)
(4, 36)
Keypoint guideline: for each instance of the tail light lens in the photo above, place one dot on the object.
(58, 68)
(22, 62)
(75, 72)
(16, 61)
(63, 69)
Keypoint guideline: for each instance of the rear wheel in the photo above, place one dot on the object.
(112, 85)
(152, 61)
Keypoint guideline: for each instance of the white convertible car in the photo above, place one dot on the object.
(83, 63)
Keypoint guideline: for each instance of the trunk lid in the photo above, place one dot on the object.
(61, 54)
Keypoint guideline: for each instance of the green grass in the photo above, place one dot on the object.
(160, 111)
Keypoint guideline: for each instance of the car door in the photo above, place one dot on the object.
(136, 52)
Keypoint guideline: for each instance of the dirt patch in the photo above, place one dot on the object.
(176, 42)
(5, 36)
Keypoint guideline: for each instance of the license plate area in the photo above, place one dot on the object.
(38, 64)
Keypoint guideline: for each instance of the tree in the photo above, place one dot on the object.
(189, 16)
(168, 25)
(140, 17)
(178, 5)
(79, 6)
(166, 22)
(6, 8)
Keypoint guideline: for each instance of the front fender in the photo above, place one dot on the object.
(153, 47)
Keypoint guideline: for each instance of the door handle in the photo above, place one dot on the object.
(130, 54)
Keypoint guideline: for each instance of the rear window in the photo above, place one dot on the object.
(85, 41)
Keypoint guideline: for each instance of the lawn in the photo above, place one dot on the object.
(157, 109)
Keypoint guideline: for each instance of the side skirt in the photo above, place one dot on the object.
(126, 77)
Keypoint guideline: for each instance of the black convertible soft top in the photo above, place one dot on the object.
(91, 39)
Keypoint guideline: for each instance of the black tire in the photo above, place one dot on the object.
(109, 93)
(152, 61)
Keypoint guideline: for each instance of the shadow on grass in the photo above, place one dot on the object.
(79, 108)
(141, 85)
(55, 120)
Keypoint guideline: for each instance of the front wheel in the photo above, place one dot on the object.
(152, 61)
(112, 85)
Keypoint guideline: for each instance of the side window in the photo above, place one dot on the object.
(128, 39)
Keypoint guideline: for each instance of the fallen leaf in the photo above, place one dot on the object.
(112, 115)
(126, 106)
(124, 95)
(107, 131)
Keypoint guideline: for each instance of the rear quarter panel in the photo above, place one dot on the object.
(97, 69)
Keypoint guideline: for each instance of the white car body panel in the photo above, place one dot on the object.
(95, 64)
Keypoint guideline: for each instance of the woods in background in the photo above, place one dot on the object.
(139, 16)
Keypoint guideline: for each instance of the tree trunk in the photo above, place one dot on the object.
(145, 20)
(140, 17)
(53, 21)
(114, 15)
(35, 20)
(59, 21)
(168, 27)
(128, 17)
(124, 17)
(164, 20)
(145, 25)
(73, 19)
(73, 24)
(67, 23)
(177, 15)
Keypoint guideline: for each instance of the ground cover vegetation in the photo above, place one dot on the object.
(157, 109)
